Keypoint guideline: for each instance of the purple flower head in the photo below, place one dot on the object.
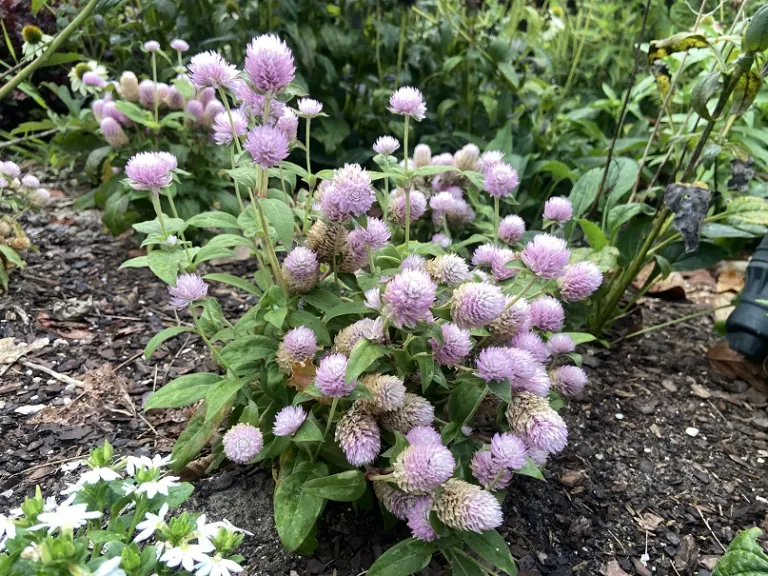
(289, 420)
(569, 380)
(148, 171)
(222, 127)
(331, 203)
(151, 45)
(546, 256)
(547, 314)
(532, 418)
(358, 435)
(195, 109)
(97, 107)
(421, 468)
(408, 297)
(511, 229)
(532, 343)
(179, 45)
(465, 506)
(300, 344)
(474, 305)
(353, 188)
(211, 110)
(455, 345)
(397, 502)
(10, 169)
(522, 367)
(170, 160)
(416, 411)
(423, 435)
(376, 234)
(206, 95)
(174, 99)
(309, 108)
(448, 269)
(490, 159)
(500, 180)
(489, 472)
(539, 383)
(508, 450)
(560, 344)
(422, 156)
(373, 299)
(500, 257)
(330, 374)
(189, 288)
(267, 145)
(441, 240)
(288, 123)
(243, 443)
(30, 181)
(147, 94)
(386, 145)
(210, 69)
(109, 110)
(408, 101)
(397, 206)
(539, 457)
(494, 364)
(113, 133)
(558, 209)
(93, 79)
(414, 262)
(442, 204)
(579, 281)
(300, 269)
(269, 63)
(418, 519)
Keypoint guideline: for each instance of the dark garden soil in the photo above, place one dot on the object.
(665, 463)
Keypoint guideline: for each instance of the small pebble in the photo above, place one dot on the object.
(619, 416)
(691, 431)
(33, 409)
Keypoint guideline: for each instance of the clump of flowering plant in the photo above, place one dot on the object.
(117, 520)
(374, 355)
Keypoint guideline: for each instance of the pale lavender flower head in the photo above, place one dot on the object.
(408, 297)
(189, 288)
(288, 123)
(569, 380)
(243, 443)
(373, 299)
(376, 234)
(511, 229)
(418, 520)
(211, 110)
(174, 99)
(560, 344)
(533, 419)
(441, 204)
(206, 95)
(414, 262)
(421, 468)
(331, 203)
(151, 45)
(97, 107)
(386, 145)
(538, 384)
(579, 281)
(546, 256)
(422, 155)
(148, 171)
(494, 364)
(489, 159)
(500, 180)
(465, 506)
(547, 314)
(486, 469)
(330, 374)
(257, 104)
(353, 189)
(269, 63)
(539, 457)
(30, 181)
(508, 450)
(441, 240)
(222, 127)
(397, 207)
(300, 344)
(109, 110)
(210, 69)
(423, 435)
(444, 159)
(113, 133)
(170, 160)
(500, 257)
(300, 270)
(358, 435)
(289, 420)
(533, 343)
(195, 109)
(408, 101)
(455, 345)
(267, 145)
(179, 45)
(3, 183)
(309, 108)
(558, 209)
(93, 79)
(474, 305)
(10, 169)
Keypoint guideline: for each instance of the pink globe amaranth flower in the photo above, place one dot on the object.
(10, 169)
(170, 160)
(579, 281)
(206, 95)
(483, 255)
(189, 288)
(388, 392)
(211, 110)
(539, 457)
(289, 420)
(500, 257)
(376, 234)
(489, 159)
(148, 171)
(288, 123)
(109, 110)
(514, 319)
(560, 344)
(330, 376)
(223, 129)
(353, 187)
(174, 99)
(546, 256)
(151, 45)
(397, 502)
(209, 69)
(269, 64)
(423, 435)
(358, 435)
(179, 45)
(442, 204)
(532, 418)
(243, 443)
(300, 270)
(408, 298)
(547, 314)
(422, 156)
(368, 328)
(408, 101)
(113, 133)
(449, 269)
(494, 364)
(93, 79)
(386, 145)
(473, 305)
(373, 299)
(508, 450)
(444, 159)
(300, 344)
(414, 262)
(462, 214)
(147, 93)
(195, 109)
(532, 343)
(418, 520)
(465, 506)
(97, 107)
(331, 204)
(558, 209)
(267, 145)
(256, 103)
(441, 240)
(397, 207)
(569, 380)
(500, 180)
(30, 181)
(416, 411)
(421, 468)
(309, 108)
(511, 229)
(490, 474)
(522, 367)
(539, 383)
(456, 344)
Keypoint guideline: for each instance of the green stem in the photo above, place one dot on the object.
(401, 46)
(579, 48)
(308, 202)
(159, 212)
(235, 137)
(154, 79)
(200, 332)
(496, 227)
(476, 406)
(521, 293)
(237, 187)
(267, 240)
(328, 424)
(181, 233)
(407, 185)
(377, 27)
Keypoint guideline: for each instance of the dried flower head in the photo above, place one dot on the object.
(500, 180)
(569, 380)
(210, 69)
(490, 473)
(408, 101)
(371, 330)
(514, 319)
(422, 156)
(408, 297)
(128, 87)
(358, 435)
(532, 418)
(325, 241)
(267, 145)
(508, 450)
(558, 209)
(300, 270)
(269, 64)
(421, 468)
(386, 145)
(148, 171)
(448, 269)
(467, 157)
(242, 443)
(416, 411)
(464, 506)
(511, 229)
(223, 128)
(330, 376)
(560, 344)
(455, 345)
(388, 392)
(397, 502)
(547, 314)
(579, 281)
(289, 420)
(309, 108)
(474, 305)
(546, 256)
(113, 133)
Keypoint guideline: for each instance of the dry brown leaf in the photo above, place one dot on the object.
(730, 280)
(302, 376)
(650, 521)
(700, 391)
(571, 478)
(731, 364)
(613, 569)
(10, 352)
(670, 288)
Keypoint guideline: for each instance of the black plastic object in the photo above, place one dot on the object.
(747, 326)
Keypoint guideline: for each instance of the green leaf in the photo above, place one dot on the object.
(343, 487)
(235, 281)
(715, 230)
(463, 565)
(11, 255)
(138, 262)
(622, 213)
(404, 558)
(194, 438)
(177, 495)
(492, 548)
(426, 371)
(346, 309)
(213, 220)
(172, 225)
(745, 92)
(431, 170)
(133, 112)
(308, 432)
(744, 557)
(502, 389)
(702, 91)
(362, 356)
(530, 469)
(304, 318)
(322, 299)
(594, 234)
(580, 337)
(183, 391)
(280, 216)
(296, 511)
(220, 395)
(276, 316)
(162, 336)
(463, 399)
(165, 265)
(245, 176)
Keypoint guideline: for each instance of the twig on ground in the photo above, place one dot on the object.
(52, 373)
(710, 531)
(131, 359)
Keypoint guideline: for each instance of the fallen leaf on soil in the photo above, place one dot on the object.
(700, 391)
(10, 352)
(670, 288)
(613, 569)
(67, 330)
(196, 469)
(71, 309)
(731, 364)
(730, 280)
(571, 478)
(687, 555)
(641, 570)
(650, 521)
(656, 431)
(709, 562)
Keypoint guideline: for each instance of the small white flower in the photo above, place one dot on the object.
(95, 475)
(212, 529)
(31, 552)
(150, 524)
(133, 463)
(71, 466)
(72, 488)
(155, 487)
(217, 566)
(65, 517)
(110, 568)
(7, 530)
(186, 555)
